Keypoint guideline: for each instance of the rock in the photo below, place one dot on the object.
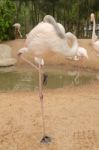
(6, 56)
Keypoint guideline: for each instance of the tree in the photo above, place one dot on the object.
(7, 9)
(74, 15)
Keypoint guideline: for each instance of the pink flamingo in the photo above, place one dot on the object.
(95, 41)
(48, 36)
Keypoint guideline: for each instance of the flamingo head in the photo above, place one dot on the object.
(92, 17)
(82, 53)
(22, 51)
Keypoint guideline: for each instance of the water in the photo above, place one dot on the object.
(58, 77)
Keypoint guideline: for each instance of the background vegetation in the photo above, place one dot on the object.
(73, 14)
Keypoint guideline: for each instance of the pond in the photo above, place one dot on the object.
(14, 78)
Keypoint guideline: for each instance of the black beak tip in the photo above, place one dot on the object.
(19, 54)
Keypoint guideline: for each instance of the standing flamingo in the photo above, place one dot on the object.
(17, 30)
(95, 41)
(48, 36)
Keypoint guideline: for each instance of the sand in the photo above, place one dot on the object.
(71, 113)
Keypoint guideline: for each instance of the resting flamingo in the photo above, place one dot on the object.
(17, 30)
(48, 36)
(95, 41)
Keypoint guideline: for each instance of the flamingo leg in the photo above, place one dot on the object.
(41, 98)
(34, 66)
(45, 139)
(40, 89)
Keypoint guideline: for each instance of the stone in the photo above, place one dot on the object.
(6, 56)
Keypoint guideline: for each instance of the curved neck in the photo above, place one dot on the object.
(72, 51)
(93, 31)
(75, 44)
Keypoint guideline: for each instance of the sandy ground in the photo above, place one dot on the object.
(71, 113)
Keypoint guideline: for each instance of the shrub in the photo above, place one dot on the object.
(7, 11)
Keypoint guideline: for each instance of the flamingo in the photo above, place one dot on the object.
(95, 41)
(81, 51)
(47, 36)
(17, 29)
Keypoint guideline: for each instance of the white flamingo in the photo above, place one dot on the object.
(95, 41)
(48, 36)
(17, 28)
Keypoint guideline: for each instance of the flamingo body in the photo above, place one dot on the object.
(43, 38)
(17, 25)
(51, 36)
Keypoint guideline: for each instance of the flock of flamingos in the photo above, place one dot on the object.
(49, 35)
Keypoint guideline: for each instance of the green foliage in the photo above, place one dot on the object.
(73, 14)
(7, 10)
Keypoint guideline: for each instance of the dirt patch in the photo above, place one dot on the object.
(72, 119)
